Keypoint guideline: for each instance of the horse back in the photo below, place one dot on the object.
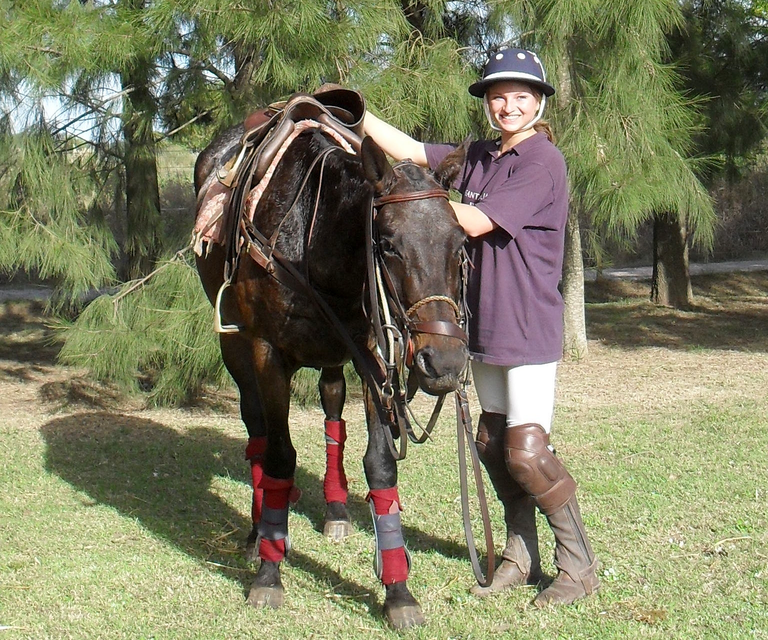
(313, 213)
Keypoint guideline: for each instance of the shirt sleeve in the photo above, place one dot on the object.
(521, 200)
(436, 153)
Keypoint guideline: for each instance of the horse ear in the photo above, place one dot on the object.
(447, 171)
(375, 163)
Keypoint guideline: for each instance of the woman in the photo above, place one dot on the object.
(514, 209)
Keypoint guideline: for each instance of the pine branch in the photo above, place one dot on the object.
(46, 50)
(204, 66)
(92, 108)
(185, 125)
(137, 284)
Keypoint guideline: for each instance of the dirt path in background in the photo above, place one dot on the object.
(42, 292)
(699, 268)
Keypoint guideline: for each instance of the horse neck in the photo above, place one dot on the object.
(334, 253)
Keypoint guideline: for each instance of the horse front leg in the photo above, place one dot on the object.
(278, 466)
(236, 354)
(392, 561)
(332, 388)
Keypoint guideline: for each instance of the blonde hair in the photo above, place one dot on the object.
(543, 126)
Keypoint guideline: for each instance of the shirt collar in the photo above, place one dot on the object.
(519, 149)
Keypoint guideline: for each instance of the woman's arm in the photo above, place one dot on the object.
(394, 142)
(473, 221)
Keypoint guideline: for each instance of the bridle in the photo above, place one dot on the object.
(435, 327)
(394, 327)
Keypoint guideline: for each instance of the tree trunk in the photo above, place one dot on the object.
(142, 193)
(671, 280)
(575, 326)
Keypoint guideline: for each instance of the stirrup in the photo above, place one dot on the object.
(227, 175)
(218, 327)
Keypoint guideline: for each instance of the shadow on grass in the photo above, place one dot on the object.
(312, 506)
(162, 478)
(730, 312)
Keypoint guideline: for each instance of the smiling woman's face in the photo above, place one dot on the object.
(512, 105)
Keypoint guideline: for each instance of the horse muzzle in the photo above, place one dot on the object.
(437, 362)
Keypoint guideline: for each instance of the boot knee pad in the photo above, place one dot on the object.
(532, 464)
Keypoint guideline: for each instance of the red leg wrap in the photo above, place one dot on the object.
(272, 550)
(255, 453)
(277, 494)
(394, 563)
(335, 483)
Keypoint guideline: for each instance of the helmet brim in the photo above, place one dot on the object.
(479, 88)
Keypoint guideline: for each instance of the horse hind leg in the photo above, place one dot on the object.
(332, 386)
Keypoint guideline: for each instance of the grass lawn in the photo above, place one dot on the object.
(118, 522)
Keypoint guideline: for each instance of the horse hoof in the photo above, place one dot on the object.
(263, 597)
(337, 530)
(404, 617)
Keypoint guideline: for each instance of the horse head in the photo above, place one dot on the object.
(420, 244)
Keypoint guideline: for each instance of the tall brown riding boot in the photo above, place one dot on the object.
(520, 560)
(576, 563)
(532, 463)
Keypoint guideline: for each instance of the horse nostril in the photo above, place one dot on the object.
(424, 362)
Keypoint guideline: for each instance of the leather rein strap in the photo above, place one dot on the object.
(464, 434)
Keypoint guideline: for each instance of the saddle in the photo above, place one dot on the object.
(339, 110)
(266, 130)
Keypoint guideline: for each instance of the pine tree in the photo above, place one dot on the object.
(624, 128)
(721, 49)
(199, 66)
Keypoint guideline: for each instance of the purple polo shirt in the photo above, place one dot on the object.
(515, 305)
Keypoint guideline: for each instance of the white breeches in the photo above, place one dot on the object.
(525, 394)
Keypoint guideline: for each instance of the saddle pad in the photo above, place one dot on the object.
(209, 227)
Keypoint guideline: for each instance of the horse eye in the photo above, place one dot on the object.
(387, 248)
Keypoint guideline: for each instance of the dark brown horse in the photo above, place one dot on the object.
(320, 210)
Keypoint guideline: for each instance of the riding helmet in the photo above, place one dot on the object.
(513, 64)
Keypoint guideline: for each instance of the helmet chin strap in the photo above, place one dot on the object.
(495, 127)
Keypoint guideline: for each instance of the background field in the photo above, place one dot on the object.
(118, 522)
